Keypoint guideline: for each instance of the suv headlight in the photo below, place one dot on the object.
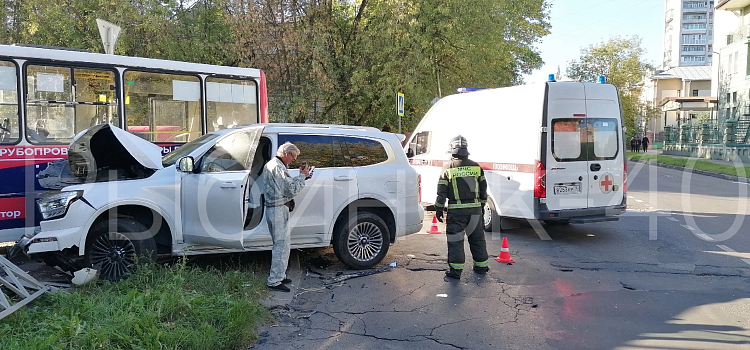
(55, 204)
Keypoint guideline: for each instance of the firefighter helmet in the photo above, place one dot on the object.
(459, 146)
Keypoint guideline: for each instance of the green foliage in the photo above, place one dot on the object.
(333, 61)
(621, 61)
(175, 307)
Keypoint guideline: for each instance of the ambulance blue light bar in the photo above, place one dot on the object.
(469, 89)
(601, 79)
(551, 77)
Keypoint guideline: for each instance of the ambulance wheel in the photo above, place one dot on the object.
(491, 219)
(116, 245)
(362, 241)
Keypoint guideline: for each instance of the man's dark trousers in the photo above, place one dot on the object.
(471, 221)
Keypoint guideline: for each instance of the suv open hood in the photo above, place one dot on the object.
(103, 153)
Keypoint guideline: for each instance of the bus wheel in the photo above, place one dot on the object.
(115, 246)
(491, 219)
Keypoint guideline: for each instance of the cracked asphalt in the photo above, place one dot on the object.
(666, 276)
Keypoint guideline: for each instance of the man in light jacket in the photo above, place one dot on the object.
(279, 189)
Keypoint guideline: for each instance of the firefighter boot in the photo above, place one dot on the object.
(482, 270)
(453, 273)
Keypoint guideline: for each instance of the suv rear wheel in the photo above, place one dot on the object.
(116, 244)
(362, 242)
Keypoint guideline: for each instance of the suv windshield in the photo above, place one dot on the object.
(186, 149)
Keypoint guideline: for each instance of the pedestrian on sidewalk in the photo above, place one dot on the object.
(632, 144)
(280, 189)
(463, 185)
(644, 143)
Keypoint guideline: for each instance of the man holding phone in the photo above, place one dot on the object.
(279, 189)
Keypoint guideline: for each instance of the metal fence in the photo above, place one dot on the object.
(730, 132)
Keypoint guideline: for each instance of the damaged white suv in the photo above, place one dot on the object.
(206, 197)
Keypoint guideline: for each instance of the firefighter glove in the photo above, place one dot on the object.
(439, 215)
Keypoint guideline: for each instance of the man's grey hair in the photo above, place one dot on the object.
(287, 147)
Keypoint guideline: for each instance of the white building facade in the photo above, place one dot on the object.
(688, 33)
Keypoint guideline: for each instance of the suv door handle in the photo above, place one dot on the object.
(228, 185)
(595, 167)
(342, 178)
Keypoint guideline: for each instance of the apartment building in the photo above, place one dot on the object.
(688, 33)
(732, 71)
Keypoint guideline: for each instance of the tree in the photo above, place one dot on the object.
(621, 61)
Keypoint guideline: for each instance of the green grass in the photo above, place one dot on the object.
(159, 307)
(695, 164)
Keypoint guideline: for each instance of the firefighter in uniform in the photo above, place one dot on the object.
(463, 184)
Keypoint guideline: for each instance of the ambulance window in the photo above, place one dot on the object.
(567, 137)
(420, 144)
(605, 138)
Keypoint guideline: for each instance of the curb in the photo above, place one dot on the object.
(695, 171)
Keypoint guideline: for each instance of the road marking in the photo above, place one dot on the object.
(704, 236)
(673, 219)
(688, 227)
(741, 183)
(729, 250)
(639, 201)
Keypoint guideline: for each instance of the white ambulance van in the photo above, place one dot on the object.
(551, 151)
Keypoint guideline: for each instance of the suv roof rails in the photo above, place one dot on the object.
(51, 47)
(320, 126)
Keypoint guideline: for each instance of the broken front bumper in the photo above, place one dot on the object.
(21, 246)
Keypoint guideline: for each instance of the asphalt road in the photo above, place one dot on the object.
(671, 274)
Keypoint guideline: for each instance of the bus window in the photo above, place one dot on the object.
(8, 104)
(163, 107)
(231, 102)
(62, 101)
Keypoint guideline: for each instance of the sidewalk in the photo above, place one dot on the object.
(658, 152)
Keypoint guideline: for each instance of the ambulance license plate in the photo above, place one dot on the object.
(568, 189)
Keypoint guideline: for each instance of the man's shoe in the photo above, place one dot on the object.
(453, 273)
(481, 270)
(280, 288)
(286, 281)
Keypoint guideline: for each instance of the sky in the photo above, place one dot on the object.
(577, 24)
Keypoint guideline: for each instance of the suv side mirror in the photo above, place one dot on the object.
(186, 164)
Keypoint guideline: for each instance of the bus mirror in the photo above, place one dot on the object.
(186, 164)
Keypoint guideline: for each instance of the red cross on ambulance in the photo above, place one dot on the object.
(605, 184)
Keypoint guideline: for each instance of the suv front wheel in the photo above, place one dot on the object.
(362, 242)
(116, 245)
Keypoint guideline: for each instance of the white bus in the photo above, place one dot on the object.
(48, 95)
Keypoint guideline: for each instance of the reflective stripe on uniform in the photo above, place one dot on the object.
(481, 263)
(456, 266)
(475, 204)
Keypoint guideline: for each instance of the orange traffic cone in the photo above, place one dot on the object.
(504, 253)
(434, 229)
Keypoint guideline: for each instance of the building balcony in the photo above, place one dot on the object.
(732, 5)
(694, 42)
(739, 34)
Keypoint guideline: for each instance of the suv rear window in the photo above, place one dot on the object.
(585, 139)
(325, 151)
(365, 151)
